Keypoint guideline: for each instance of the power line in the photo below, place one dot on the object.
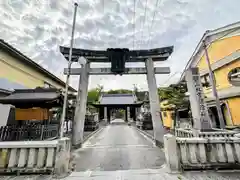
(171, 77)
(134, 21)
(145, 12)
(153, 19)
(103, 5)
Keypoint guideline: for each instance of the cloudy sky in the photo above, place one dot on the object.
(38, 27)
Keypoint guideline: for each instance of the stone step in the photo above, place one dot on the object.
(147, 174)
(138, 174)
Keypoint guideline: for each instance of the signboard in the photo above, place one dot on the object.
(204, 116)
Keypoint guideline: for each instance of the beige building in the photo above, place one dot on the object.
(17, 71)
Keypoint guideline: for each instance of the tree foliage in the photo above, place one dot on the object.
(93, 94)
(175, 95)
(119, 91)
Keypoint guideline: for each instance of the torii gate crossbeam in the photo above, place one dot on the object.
(147, 56)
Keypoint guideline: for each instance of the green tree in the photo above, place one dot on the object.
(175, 95)
(93, 94)
(119, 91)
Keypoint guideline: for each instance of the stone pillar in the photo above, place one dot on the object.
(105, 113)
(154, 102)
(171, 153)
(80, 111)
(63, 157)
(128, 113)
(108, 115)
(201, 119)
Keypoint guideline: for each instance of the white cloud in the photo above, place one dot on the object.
(37, 28)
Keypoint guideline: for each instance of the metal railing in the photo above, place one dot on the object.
(29, 132)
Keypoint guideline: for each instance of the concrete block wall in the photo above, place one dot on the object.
(180, 132)
(33, 156)
(202, 153)
(216, 133)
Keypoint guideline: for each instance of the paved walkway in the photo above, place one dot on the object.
(118, 147)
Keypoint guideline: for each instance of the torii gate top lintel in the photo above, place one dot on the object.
(157, 54)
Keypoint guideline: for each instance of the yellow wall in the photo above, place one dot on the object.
(15, 71)
(220, 49)
(226, 115)
(221, 75)
(167, 120)
(234, 104)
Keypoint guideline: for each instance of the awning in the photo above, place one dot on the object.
(38, 97)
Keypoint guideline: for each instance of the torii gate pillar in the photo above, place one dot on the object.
(154, 102)
(80, 111)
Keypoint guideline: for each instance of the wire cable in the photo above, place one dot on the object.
(174, 74)
(134, 22)
(145, 13)
(152, 22)
(103, 5)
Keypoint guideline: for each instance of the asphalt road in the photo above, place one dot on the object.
(118, 147)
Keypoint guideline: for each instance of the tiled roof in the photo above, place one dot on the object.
(5, 91)
(31, 95)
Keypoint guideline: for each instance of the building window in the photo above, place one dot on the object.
(234, 76)
(205, 80)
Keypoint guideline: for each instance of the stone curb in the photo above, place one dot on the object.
(92, 133)
(145, 133)
(75, 148)
(157, 143)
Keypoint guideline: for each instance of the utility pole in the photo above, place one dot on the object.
(65, 103)
(214, 89)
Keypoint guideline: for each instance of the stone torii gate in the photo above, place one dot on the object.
(117, 58)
